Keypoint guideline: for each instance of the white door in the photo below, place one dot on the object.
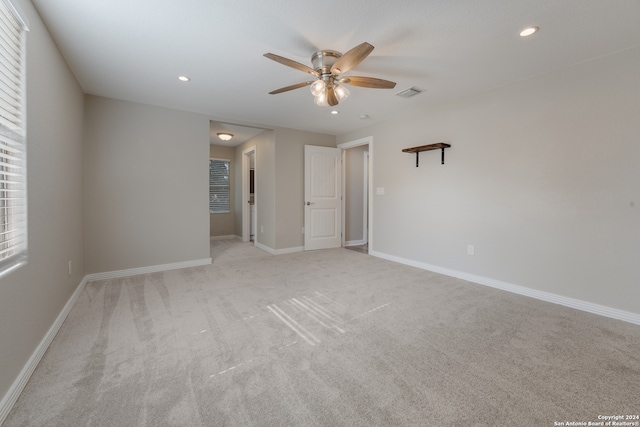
(323, 197)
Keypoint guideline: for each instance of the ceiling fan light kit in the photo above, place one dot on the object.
(341, 92)
(321, 100)
(328, 65)
(318, 88)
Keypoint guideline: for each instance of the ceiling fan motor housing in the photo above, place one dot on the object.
(323, 60)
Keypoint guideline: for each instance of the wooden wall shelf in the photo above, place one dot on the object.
(429, 147)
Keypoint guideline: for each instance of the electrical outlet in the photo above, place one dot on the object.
(380, 191)
(262, 228)
(471, 250)
(70, 268)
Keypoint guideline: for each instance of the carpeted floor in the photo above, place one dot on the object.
(325, 338)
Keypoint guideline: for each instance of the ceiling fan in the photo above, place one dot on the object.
(328, 65)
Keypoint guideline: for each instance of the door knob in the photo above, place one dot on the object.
(309, 203)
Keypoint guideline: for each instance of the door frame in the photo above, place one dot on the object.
(365, 198)
(368, 141)
(246, 208)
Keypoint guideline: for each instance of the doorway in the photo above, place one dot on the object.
(249, 194)
(357, 212)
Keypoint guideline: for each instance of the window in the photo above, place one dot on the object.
(13, 191)
(219, 189)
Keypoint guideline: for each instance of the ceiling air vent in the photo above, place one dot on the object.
(408, 93)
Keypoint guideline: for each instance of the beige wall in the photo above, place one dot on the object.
(354, 194)
(146, 185)
(33, 296)
(279, 185)
(543, 177)
(289, 183)
(223, 224)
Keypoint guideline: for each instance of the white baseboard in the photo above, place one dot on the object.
(20, 382)
(264, 248)
(146, 270)
(18, 385)
(355, 242)
(521, 290)
(279, 251)
(289, 250)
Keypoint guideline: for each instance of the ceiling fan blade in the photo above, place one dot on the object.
(332, 99)
(351, 58)
(292, 87)
(292, 64)
(369, 82)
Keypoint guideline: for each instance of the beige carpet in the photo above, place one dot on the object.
(325, 338)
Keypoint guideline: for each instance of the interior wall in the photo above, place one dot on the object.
(543, 178)
(279, 185)
(146, 180)
(32, 297)
(289, 183)
(223, 224)
(354, 194)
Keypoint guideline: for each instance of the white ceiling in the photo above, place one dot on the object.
(135, 49)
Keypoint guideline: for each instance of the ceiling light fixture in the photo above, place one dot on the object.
(335, 112)
(328, 65)
(318, 87)
(341, 92)
(183, 78)
(529, 31)
(225, 136)
(321, 90)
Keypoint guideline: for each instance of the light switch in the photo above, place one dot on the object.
(380, 191)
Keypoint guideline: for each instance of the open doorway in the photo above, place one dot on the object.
(225, 140)
(249, 194)
(356, 209)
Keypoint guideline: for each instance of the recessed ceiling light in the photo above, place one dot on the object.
(528, 31)
(334, 112)
(183, 78)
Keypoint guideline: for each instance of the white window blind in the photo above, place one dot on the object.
(13, 192)
(219, 189)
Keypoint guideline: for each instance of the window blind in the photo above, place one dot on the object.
(219, 189)
(13, 197)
